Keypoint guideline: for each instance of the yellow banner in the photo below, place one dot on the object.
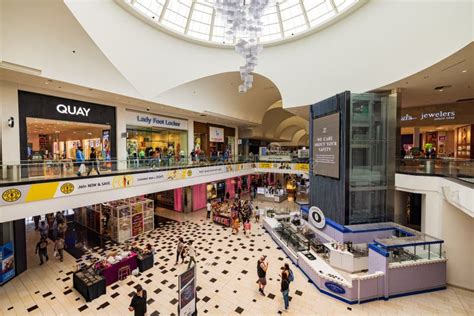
(42, 191)
(302, 166)
(265, 165)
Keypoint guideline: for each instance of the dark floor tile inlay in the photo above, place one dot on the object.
(32, 308)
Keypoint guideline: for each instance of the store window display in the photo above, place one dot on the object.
(164, 144)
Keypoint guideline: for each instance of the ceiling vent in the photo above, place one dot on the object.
(442, 87)
(465, 100)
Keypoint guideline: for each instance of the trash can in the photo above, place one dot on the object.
(13, 172)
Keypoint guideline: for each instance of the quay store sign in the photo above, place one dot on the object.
(150, 120)
(73, 110)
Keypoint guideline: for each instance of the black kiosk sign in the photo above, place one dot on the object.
(326, 145)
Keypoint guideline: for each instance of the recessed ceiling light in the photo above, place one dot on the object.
(464, 70)
(440, 90)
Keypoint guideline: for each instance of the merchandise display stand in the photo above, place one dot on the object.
(127, 218)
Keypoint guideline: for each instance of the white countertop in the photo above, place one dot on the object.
(320, 265)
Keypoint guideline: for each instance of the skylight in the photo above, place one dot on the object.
(197, 18)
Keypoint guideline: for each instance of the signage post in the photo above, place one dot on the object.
(187, 293)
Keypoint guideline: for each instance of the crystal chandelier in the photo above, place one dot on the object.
(243, 23)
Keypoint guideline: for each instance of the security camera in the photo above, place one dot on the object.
(148, 109)
(11, 122)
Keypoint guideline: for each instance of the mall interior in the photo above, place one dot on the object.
(218, 157)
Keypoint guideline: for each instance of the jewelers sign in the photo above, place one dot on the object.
(326, 146)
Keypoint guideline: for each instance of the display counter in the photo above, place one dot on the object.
(222, 220)
(400, 264)
(272, 194)
(346, 260)
(145, 261)
(89, 284)
(111, 270)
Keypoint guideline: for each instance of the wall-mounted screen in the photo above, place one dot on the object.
(216, 134)
(326, 131)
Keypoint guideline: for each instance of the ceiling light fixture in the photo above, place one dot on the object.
(464, 70)
(243, 21)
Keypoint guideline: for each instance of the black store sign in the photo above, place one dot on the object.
(54, 108)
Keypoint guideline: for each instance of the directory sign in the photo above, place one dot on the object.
(326, 135)
(187, 292)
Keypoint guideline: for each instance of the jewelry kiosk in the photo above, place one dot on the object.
(360, 263)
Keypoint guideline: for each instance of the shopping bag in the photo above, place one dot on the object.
(82, 168)
(55, 254)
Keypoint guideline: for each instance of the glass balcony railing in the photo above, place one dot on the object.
(459, 169)
(32, 170)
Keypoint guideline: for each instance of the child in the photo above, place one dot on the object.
(247, 228)
(235, 226)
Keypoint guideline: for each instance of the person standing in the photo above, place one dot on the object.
(208, 207)
(262, 267)
(138, 303)
(180, 250)
(42, 249)
(93, 162)
(285, 286)
(37, 219)
(43, 229)
(80, 161)
(257, 215)
(59, 247)
(247, 228)
(191, 253)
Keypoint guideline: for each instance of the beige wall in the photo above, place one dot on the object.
(458, 234)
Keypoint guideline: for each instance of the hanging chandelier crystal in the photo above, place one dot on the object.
(243, 23)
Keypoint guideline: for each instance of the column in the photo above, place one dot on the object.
(9, 136)
(235, 150)
(121, 137)
(190, 137)
(416, 137)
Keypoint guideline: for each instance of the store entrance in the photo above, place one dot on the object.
(53, 141)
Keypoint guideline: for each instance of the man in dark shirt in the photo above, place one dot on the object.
(138, 304)
(93, 164)
(42, 249)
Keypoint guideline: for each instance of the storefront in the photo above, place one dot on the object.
(439, 131)
(149, 135)
(213, 140)
(53, 128)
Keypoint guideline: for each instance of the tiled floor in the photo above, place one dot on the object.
(226, 281)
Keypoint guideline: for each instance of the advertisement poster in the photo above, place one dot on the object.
(187, 292)
(216, 134)
(326, 133)
(137, 224)
(7, 262)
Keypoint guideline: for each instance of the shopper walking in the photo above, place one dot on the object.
(235, 225)
(42, 249)
(180, 250)
(43, 229)
(247, 228)
(209, 208)
(191, 254)
(285, 286)
(93, 164)
(59, 248)
(257, 215)
(262, 267)
(37, 219)
(138, 303)
(80, 161)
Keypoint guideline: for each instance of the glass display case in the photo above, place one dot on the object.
(413, 248)
(295, 240)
